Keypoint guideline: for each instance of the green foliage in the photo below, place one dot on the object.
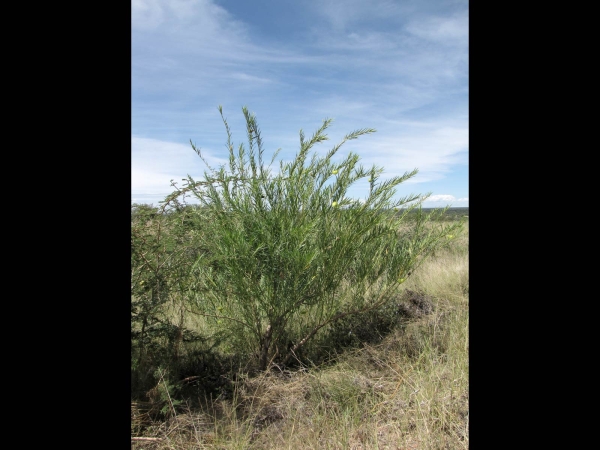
(166, 391)
(161, 241)
(451, 214)
(284, 254)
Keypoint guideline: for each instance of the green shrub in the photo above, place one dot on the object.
(287, 253)
(161, 241)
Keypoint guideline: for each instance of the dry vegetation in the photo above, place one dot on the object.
(410, 390)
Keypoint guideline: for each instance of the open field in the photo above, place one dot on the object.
(396, 379)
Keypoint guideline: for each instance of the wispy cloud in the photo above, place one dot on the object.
(155, 163)
(447, 31)
(446, 199)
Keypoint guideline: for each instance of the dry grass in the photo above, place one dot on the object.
(411, 391)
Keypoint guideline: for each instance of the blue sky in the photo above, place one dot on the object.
(399, 66)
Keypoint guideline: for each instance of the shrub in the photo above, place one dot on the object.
(161, 241)
(288, 253)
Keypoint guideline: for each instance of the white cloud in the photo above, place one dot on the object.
(155, 163)
(442, 30)
(441, 198)
(151, 14)
(434, 149)
(146, 14)
(251, 78)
